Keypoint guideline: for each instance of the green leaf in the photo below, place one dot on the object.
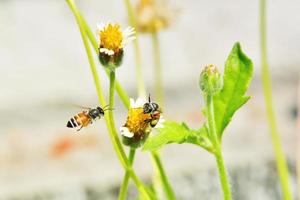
(172, 132)
(237, 76)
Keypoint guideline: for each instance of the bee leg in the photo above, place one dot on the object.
(148, 120)
(80, 128)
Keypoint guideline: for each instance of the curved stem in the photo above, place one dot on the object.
(124, 186)
(267, 87)
(108, 118)
(218, 154)
(159, 90)
(138, 183)
(124, 97)
(122, 94)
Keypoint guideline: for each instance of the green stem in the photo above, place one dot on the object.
(138, 183)
(142, 93)
(218, 153)
(124, 186)
(163, 177)
(138, 64)
(223, 175)
(159, 90)
(121, 92)
(108, 119)
(124, 97)
(267, 87)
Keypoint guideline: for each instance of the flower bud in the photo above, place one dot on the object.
(112, 41)
(210, 81)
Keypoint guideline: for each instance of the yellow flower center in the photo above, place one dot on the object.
(137, 120)
(111, 37)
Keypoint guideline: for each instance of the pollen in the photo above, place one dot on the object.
(137, 120)
(111, 37)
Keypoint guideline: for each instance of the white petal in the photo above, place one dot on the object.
(132, 102)
(125, 132)
(127, 40)
(107, 51)
(139, 103)
(129, 31)
(100, 27)
(128, 35)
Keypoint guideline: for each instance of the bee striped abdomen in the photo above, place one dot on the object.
(81, 119)
(73, 122)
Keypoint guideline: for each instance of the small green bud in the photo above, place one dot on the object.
(210, 81)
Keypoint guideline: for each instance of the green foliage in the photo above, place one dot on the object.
(237, 76)
(173, 132)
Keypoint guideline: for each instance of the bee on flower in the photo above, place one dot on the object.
(142, 117)
(112, 40)
(154, 15)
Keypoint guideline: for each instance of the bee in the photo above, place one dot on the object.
(154, 110)
(141, 119)
(86, 117)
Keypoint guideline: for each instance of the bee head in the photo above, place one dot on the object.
(150, 107)
(100, 110)
(147, 108)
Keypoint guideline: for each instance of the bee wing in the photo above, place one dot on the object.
(82, 107)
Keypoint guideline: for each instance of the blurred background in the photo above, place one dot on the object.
(44, 71)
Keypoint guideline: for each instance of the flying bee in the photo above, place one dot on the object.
(86, 117)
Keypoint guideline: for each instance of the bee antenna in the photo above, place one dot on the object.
(105, 106)
(105, 109)
(149, 98)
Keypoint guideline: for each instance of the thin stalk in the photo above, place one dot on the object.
(112, 78)
(163, 177)
(298, 139)
(138, 63)
(121, 92)
(124, 186)
(159, 89)
(223, 175)
(108, 118)
(140, 86)
(267, 88)
(124, 97)
(218, 154)
(142, 93)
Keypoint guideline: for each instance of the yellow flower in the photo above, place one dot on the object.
(112, 40)
(154, 15)
(140, 123)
